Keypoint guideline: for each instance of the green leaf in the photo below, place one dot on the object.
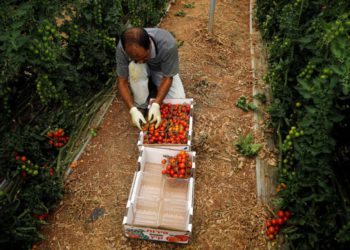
(304, 88)
(338, 69)
(246, 147)
(25, 229)
(38, 137)
(345, 88)
(311, 109)
(338, 47)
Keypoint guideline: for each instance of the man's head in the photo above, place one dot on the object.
(136, 43)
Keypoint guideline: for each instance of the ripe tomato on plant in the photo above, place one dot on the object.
(271, 236)
(288, 214)
(280, 214)
(58, 138)
(271, 229)
(280, 221)
(268, 223)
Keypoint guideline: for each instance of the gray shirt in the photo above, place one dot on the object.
(166, 59)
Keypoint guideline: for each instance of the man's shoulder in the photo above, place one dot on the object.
(154, 31)
(162, 36)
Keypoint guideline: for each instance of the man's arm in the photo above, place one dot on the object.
(124, 91)
(136, 116)
(163, 89)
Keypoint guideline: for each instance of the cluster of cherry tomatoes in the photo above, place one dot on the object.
(273, 226)
(173, 128)
(178, 166)
(26, 167)
(57, 138)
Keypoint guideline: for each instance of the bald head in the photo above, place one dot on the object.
(135, 37)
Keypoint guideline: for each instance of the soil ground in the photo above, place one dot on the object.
(216, 71)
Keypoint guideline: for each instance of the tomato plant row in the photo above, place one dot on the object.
(309, 75)
(56, 59)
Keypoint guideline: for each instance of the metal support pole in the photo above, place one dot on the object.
(211, 16)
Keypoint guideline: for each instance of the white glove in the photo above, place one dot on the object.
(137, 117)
(154, 114)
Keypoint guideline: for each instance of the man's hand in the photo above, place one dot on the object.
(154, 114)
(137, 117)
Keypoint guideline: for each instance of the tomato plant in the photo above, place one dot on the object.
(57, 61)
(308, 74)
(246, 147)
(242, 104)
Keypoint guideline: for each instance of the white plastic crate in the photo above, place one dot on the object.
(185, 146)
(159, 208)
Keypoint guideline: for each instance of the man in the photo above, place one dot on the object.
(143, 53)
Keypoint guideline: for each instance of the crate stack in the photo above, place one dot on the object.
(160, 203)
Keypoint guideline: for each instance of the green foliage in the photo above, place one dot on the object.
(57, 64)
(189, 5)
(344, 234)
(244, 105)
(308, 74)
(260, 97)
(37, 197)
(180, 13)
(246, 147)
(145, 12)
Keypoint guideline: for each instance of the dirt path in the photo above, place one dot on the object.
(216, 71)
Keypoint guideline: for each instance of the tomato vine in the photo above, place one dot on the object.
(57, 59)
(309, 66)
